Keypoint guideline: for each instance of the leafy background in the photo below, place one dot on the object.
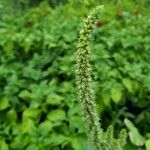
(39, 108)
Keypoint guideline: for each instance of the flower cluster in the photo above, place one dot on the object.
(84, 81)
(85, 88)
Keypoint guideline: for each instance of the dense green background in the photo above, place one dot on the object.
(39, 108)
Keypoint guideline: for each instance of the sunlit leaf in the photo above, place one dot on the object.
(12, 115)
(116, 94)
(30, 113)
(3, 145)
(135, 137)
(4, 103)
(147, 144)
(45, 127)
(56, 115)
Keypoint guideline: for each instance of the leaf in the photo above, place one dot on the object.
(45, 127)
(54, 99)
(116, 94)
(4, 103)
(27, 44)
(30, 113)
(76, 122)
(57, 139)
(135, 137)
(147, 144)
(130, 85)
(106, 99)
(28, 126)
(78, 143)
(12, 115)
(25, 94)
(3, 145)
(56, 115)
(8, 47)
(19, 141)
(33, 146)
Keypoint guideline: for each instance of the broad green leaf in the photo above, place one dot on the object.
(28, 126)
(106, 99)
(56, 115)
(148, 134)
(116, 94)
(45, 127)
(27, 44)
(76, 122)
(12, 115)
(130, 146)
(4, 103)
(130, 85)
(135, 137)
(34, 104)
(25, 94)
(33, 147)
(3, 145)
(8, 47)
(30, 113)
(54, 99)
(78, 143)
(147, 144)
(20, 141)
(57, 139)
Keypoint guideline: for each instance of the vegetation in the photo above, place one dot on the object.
(39, 107)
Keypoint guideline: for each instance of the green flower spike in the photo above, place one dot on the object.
(85, 88)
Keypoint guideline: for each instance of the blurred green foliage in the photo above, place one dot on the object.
(38, 104)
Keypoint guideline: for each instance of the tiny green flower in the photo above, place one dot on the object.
(101, 140)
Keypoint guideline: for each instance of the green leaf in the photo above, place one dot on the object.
(25, 94)
(3, 145)
(116, 94)
(79, 143)
(54, 99)
(76, 122)
(30, 113)
(130, 85)
(4, 103)
(106, 99)
(57, 139)
(147, 144)
(135, 137)
(56, 115)
(20, 141)
(28, 126)
(12, 115)
(8, 47)
(33, 147)
(45, 127)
